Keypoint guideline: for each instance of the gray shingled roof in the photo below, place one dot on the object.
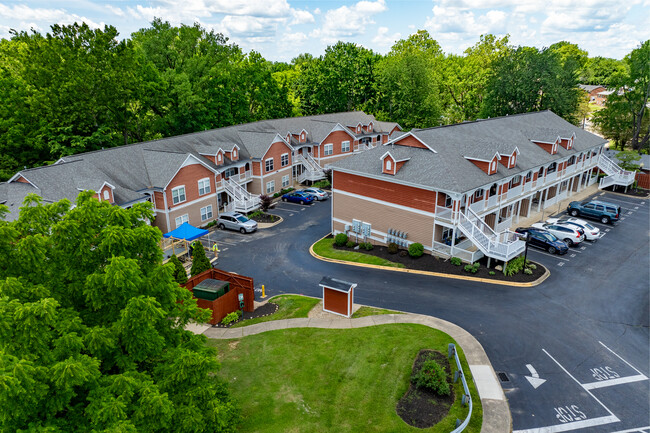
(12, 195)
(448, 170)
(589, 87)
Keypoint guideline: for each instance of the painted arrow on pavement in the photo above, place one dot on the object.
(535, 381)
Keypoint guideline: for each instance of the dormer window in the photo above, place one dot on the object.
(218, 157)
(554, 149)
(370, 127)
(389, 164)
(302, 137)
(107, 195)
(234, 154)
(493, 166)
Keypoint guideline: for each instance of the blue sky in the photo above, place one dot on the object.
(282, 29)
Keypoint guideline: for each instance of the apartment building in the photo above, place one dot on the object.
(193, 177)
(458, 189)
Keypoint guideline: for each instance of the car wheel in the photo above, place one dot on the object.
(302, 202)
(242, 230)
(568, 242)
(284, 199)
(222, 227)
(574, 212)
(551, 250)
(604, 219)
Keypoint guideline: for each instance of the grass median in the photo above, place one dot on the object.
(324, 248)
(333, 380)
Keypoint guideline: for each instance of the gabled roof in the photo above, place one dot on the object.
(12, 195)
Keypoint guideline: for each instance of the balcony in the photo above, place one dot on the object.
(478, 206)
(514, 192)
(244, 176)
(550, 177)
(493, 201)
(445, 213)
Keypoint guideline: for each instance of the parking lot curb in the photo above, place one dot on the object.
(269, 225)
(538, 281)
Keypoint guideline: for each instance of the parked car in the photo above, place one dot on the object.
(236, 221)
(604, 212)
(544, 240)
(591, 233)
(569, 234)
(298, 197)
(318, 194)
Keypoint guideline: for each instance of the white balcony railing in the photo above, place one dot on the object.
(478, 206)
(550, 177)
(492, 201)
(515, 191)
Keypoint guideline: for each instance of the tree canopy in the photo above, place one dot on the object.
(92, 327)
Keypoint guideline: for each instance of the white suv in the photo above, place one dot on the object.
(591, 233)
(236, 221)
(570, 235)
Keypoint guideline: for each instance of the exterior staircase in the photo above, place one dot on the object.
(615, 174)
(505, 245)
(312, 171)
(243, 201)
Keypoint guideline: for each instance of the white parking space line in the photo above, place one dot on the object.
(633, 430)
(612, 382)
(550, 255)
(619, 357)
(618, 200)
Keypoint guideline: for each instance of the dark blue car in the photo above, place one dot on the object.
(298, 197)
(544, 240)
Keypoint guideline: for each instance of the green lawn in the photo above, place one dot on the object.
(289, 307)
(324, 248)
(332, 380)
(371, 311)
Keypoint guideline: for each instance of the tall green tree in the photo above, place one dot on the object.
(407, 82)
(92, 327)
(200, 261)
(528, 79)
(599, 70)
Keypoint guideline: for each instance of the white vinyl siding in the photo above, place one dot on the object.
(206, 213)
(268, 164)
(178, 194)
(270, 187)
(285, 181)
(345, 146)
(328, 149)
(204, 186)
(182, 219)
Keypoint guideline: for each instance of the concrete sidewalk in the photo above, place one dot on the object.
(496, 412)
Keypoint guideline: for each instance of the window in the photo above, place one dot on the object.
(512, 160)
(478, 193)
(178, 194)
(219, 157)
(552, 167)
(345, 146)
(269, 164)
(572, 160)
(234, 153)
(448, 201)
(389, 164)
(285, 181)
(284, 159)
(554, 148)
(379, 139)
(270, 187)
(204, 186)
(181, 219)
(514, 181)
(206, 213)
(329, 149)
(230, 172)
(529, 175)
(493, 167)
(107, 195)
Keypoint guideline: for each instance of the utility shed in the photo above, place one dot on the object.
(338, 296)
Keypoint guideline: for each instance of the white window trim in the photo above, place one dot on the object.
(272, 164)
(184, 219)
(204, 188)
(184, 194)
(270, 186)
(331, 148)
(288, 180)
(208, 210)
(493, 166)
(107, 196)
(343, 148)
(219, 157)
(282, 158)
(389, 164)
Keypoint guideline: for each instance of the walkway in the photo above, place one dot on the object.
(496, 412)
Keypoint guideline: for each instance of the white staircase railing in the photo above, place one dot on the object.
(502, 246)
(243, 200)
(312, 171)
(615, 174)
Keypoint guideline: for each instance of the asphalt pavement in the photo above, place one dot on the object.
(574, 351)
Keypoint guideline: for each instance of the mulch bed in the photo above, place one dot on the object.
(423, 408)
(431, 263)
(264, 310)
(640, 192)
(266, 218)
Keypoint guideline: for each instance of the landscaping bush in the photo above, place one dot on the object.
(366, 246)
(432, 376)
(200, 261)
(232, 317)
(341, 239)
(350, 244)
(514, 266)
(257, 213)
(403, 253)
(265, 202)
(393, 248)
(322, 184)
(528, 271)
(456, 261)
(473, 268)
(531, 266)
(416, 250)
(492, 273)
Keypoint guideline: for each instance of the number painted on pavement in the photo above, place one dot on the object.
(604, 373)
(569, 413)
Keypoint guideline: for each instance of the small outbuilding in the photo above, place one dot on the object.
(338, 296)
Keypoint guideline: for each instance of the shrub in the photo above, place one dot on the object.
(265, 202)
(341, 239)
(200, 261)
(366, 246)
(257, 213)
(473, 268)
(514, 266)
(532, 266)
(403, 253)
(179, 271)
(432, 376)
(350, 244)
(528, 271)
(393, 248)
(321, 184)
(492, 273)
(276, 195)
(456, 261)
(416, 249)
(232, 317)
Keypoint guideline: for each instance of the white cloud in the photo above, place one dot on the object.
(301, 17)
(115, 10)
(348, 21)
(385, 40)
(242, 27)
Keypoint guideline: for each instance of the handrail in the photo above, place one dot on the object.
(468, 396)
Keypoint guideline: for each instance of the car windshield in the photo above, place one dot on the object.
(242, 219)
(549, 237)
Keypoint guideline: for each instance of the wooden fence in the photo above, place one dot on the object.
(229, 302)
